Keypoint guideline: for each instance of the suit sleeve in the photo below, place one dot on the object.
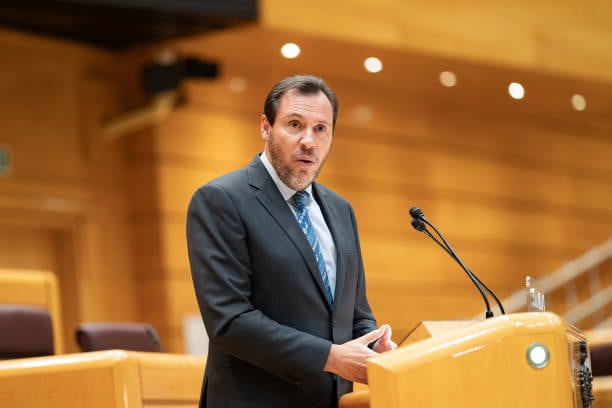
(221, 272)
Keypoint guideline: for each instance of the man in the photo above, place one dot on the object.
(279, 280)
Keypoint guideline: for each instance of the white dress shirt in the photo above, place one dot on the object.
(324, 236)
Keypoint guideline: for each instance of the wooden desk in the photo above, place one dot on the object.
(602, 391)
(102, 379)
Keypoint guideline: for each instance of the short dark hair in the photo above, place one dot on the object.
(304, 84)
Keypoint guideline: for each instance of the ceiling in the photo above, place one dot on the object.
(119, 24)
(408, 82)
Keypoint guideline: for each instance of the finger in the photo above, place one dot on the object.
(386, 335)
(385, 343)
(371, 336)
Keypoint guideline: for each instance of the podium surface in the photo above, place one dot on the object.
(524, 359)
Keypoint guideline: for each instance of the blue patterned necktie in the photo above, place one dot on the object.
(300, 199)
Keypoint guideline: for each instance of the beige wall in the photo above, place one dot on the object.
(517, 188)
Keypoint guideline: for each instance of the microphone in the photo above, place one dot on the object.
(418, 222)
(416, 212)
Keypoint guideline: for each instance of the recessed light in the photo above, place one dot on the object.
(516, 90)
(448, 79)
(290, 50)
(579, 102)
(373, 65)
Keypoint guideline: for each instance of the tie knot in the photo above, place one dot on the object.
(300, 200)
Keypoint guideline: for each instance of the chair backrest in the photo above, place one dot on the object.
(26, 332)
(600, 349)
(34, 288)
(117, 335)
(601, 359)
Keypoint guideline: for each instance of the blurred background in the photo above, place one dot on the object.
(495, 118)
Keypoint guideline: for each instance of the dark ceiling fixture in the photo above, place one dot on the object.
(119, 24)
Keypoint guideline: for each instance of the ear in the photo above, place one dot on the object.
(265, 128)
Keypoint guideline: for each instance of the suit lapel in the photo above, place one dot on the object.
(271, 199)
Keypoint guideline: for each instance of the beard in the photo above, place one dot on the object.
(297, 180)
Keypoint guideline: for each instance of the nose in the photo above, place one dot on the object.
(307, 141)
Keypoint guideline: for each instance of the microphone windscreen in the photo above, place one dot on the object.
(416, 212)
(418, 224)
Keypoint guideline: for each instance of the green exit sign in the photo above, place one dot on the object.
(5, 160)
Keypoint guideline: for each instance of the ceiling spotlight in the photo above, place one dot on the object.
(290, 50)
(579, 102)
(373, 65)
(448, 79)
(516, 90)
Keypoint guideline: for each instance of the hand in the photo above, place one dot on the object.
(384, 342)
(348, 360)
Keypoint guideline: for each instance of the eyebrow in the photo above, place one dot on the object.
(298, 115)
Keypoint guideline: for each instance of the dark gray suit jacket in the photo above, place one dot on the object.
(261, 295)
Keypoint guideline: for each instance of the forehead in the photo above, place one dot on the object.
(312, 106)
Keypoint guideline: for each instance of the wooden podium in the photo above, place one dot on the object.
(102, 379)
(527, 360)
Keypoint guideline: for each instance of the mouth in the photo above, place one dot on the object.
(306, 161)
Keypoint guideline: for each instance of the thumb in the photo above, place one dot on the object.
(371, 336)
(386, 334)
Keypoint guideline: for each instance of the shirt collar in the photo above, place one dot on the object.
(286, 191)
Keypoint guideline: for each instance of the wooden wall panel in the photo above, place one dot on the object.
(217, 135)
(146, 237)
(405, 309)
(66, 180)
(27, 248)
(175, 250)
(478, 173)
(168, 301)
(477, 221)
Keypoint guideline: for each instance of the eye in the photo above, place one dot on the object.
(294, 124)
(321, 129)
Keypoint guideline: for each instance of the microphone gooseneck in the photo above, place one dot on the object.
(419, 225)
(418, 222)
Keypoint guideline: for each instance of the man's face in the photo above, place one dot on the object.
(300, 140)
